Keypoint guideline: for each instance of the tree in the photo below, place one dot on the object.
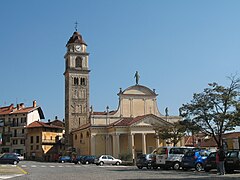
(215, 110)
(191, 128)
(173, 133)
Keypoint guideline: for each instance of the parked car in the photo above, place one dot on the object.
(170, 157)
(146, 160)
(194, 159)
(20, 157)
(77, 160)
(232, 161)
(9, 158)
(88, 159)
(107, 159)
(64, 159)
(210, 162)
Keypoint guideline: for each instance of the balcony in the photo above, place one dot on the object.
(14, 136)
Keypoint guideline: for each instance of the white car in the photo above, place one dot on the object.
(20, 157)
(107, 159)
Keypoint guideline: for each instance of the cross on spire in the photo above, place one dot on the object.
(76, 24)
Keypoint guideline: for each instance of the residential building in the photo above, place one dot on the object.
(13, 122)
(45, 140)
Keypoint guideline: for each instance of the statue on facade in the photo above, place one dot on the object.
(166, 111)
(137, 76)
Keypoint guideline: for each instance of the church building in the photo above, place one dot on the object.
(128, 130)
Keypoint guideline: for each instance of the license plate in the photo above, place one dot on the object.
(229, 161)
(208, 165)
(185, 163)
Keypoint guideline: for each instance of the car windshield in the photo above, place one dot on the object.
(189, 154)
(204, 153)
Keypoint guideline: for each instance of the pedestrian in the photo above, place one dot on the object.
(221, 161)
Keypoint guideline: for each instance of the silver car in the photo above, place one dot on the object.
(107, 159)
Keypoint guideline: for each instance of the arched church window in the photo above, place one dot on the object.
(83, 81)
(81, 135)
(78, 62)
(87, 134)
(75, 81)
(75, 137)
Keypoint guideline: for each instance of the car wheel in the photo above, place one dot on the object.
(176, 165)
(117, 163)
(15, 162)
(78, 162)
(139, 167)
(101, 163)
(62, 161)
(87, 162)
(155, 167)
(198, 167)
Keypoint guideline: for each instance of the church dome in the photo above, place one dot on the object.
(76, 38)
(139, 90)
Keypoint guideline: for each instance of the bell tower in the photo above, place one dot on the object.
(76, 85)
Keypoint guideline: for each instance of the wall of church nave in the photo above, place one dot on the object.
(100, 146)
(150, 143)
(123, 144)
(81, 142)
(138, 144)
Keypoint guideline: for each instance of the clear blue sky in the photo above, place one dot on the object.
(178, 47)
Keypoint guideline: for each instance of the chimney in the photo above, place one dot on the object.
(18, 106)
(49, 120)
(22, 105)
(34, 103)
(56, 117)
(11, 107)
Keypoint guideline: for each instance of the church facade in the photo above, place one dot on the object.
(128, 130)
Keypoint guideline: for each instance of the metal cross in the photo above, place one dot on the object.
(76, 23)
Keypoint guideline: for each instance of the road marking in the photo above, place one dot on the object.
(33, 166)
(24, 172)
(10, 176)
(23, 166)
(60, 166)
(43, 166)
(52, 166)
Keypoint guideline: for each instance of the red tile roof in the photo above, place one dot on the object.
(39, 124)
(7, 110)
(76, 38)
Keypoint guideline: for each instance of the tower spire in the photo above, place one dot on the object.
(76, 24)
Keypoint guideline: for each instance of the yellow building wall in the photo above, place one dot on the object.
(126, 108)
(150, 143)
(100, 145)
(138, 107)
(81, 142)
(123, 141)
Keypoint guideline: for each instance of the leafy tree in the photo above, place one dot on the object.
(191, 128)
(215, 110)
(172, 133)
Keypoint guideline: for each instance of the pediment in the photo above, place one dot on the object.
(151, 120)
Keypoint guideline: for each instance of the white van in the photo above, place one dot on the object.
(170, 157)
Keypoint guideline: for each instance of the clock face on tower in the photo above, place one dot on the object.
(78, 48)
